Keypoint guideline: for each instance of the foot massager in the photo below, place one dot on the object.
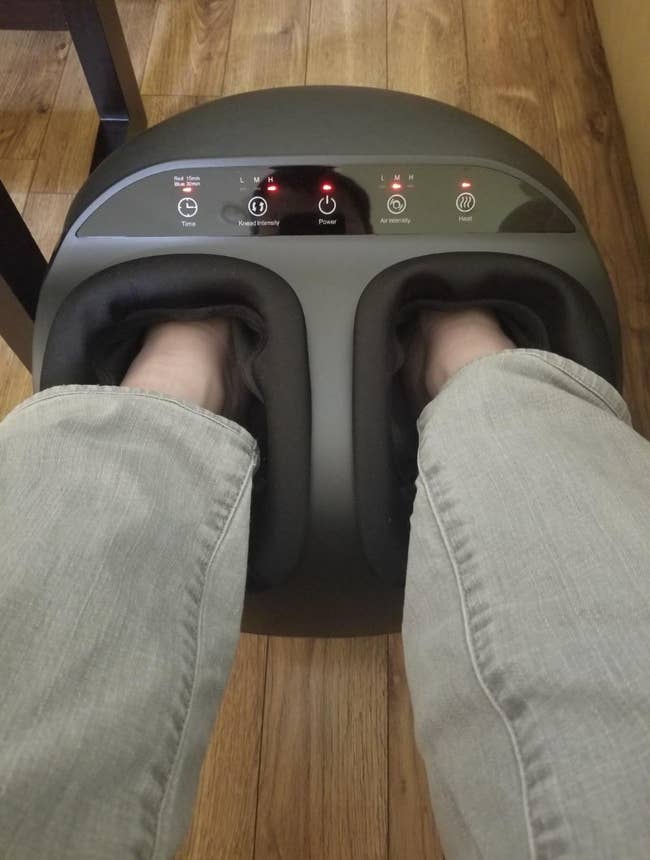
(323, 219)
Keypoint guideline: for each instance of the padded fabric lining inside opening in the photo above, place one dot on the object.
(538, 305)
(99, 327)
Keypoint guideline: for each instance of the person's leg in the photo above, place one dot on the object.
(124, 518)
(527, 615)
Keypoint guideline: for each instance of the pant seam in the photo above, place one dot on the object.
(173, 769)
(581, 382)
(532, 852)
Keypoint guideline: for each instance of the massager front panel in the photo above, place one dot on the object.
(390, 198)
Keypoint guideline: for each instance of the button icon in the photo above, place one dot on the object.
(396, 204)
(327, 205)
(257, 206)
(465, 202)
(187, 207)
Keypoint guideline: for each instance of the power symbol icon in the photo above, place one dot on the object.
(327, 205)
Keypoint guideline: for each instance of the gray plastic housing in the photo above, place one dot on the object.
(333, 591)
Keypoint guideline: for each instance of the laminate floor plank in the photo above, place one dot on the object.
(16, 176)
(427, 50)
(31, 66)
(596, 164)
(223, 825)
(159, 108)
(412, 829)
(273, 53)
(44, 214)
(509, 79)
(137, 18)
(188, 48)
(15, 380)
(323, 775)
(347, 43)
(66, 153)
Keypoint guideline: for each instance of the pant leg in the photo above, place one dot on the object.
(124, 530)
(527, 616)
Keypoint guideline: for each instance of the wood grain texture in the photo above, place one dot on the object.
(31, 65)
(16, 176)
(67, 146)
(426, 50)
(223, 825)
(137, 18)
(625, 31)
(188, 48)
(64, 160)
(347, 42)
(44, 214)
(268, 45)
(17, 328)
(412, 830)
(159, 108)
(15, 380)
(323, 776)
(508, 71)
(596, 164)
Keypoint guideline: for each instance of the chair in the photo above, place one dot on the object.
(97, 34)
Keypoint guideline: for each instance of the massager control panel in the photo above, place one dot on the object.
(305, 200)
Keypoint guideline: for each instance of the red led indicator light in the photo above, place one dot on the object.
(271, 187)
(327, 186)
(187, 189)
(396, 186)
(465, 183)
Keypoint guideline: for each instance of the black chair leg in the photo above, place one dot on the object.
(99, 39)
(21, 263)
(22, 269)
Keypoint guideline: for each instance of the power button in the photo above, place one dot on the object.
(327, 205)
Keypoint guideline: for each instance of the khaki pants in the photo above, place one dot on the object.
(124, 531)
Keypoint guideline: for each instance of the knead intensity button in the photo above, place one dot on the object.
(257, 206)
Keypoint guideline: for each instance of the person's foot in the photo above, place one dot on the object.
(443, 343)
(191, 361)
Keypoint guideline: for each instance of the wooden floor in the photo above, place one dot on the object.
(313, 755)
